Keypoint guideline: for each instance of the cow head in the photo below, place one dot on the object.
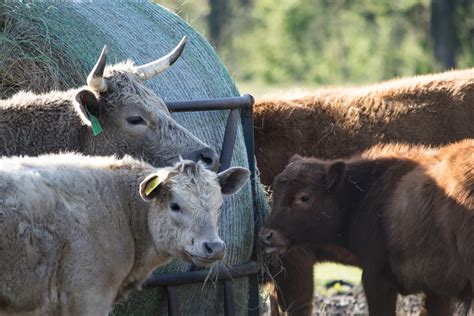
(305, 206)
(190, 197)
(125, 117)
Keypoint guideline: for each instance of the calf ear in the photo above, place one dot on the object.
(87, 102)
(335, 174)
(153, 184)
(233, 179)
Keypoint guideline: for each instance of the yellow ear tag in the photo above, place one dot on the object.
(151, 185)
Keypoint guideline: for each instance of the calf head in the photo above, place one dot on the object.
(306, 206)
(133, 119)
(186, 201)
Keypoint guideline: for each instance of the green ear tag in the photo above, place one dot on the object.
(151, 185)
(96, 128)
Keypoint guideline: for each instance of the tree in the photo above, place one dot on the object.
(218, 18)
(443, 32)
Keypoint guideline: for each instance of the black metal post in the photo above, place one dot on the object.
(229, 303)
(229, 140)
(249, 269)
(173, 304)
(247, 126)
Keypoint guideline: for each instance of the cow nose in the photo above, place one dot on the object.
(207, 155)
(215, 249)
(266, 235)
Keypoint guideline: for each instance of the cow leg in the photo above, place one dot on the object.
(294, 285)
(438, 305)
(380, 293)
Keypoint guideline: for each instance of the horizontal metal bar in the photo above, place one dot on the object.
(220, 273)
(244, 101)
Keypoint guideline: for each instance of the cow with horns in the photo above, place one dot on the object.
(114, 114)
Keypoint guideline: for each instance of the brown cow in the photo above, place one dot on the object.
(407, 213)
(334, 123)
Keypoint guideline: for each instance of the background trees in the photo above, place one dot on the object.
(334, 41)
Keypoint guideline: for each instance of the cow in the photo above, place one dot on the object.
(339, 122)
(405, 212)
(115, 114)
(78, 233)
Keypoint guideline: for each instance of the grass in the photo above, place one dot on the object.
(326, 272)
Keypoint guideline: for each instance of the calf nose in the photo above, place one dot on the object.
(207, 155)
(215, 249)
(266, 235)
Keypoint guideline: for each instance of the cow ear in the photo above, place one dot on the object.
(233, 179)
(295, 158)
(86, 104)
(335, 174)
(151, 187)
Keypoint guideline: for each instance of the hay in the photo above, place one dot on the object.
(53, 45)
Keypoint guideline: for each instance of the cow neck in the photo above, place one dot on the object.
(365, 183)
(39, 124)
(137, 212)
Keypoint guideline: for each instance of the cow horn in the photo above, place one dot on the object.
(95, 80)
(156, 67)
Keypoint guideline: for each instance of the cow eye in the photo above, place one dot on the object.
(135, 120)
(175, 207)
(304, 198)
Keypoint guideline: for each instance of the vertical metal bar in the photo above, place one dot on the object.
(247, 126)
(173, 300)
(227, 150)
(229, 140)
(229, 301)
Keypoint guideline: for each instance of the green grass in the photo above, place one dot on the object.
(326, 272)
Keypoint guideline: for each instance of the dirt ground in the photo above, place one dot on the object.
(351, 301)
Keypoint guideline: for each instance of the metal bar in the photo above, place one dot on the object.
(172, 297)
(210, 105)
(179, 278)
(250, 269)
(227, 151)
(229, 303)
(247, 126)
(229, 140)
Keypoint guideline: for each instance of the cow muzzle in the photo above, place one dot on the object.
(273, 241)
(208, 252)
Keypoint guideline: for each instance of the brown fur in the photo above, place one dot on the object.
(332, 123)
(431, 110)
(407, 213)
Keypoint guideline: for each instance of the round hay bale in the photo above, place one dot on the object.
(53, 45)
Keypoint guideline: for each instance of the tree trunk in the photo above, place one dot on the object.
(217, 19)
(443, 32)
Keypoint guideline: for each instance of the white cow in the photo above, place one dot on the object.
(78, 233)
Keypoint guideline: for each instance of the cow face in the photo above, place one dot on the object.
(186, 201)
(305, 206)
(128, 118)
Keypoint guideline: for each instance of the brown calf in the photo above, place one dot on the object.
(406, 213)
(334, 123)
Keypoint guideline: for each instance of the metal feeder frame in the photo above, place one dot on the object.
(244, 105)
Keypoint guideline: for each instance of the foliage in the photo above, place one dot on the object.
(333, 42)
